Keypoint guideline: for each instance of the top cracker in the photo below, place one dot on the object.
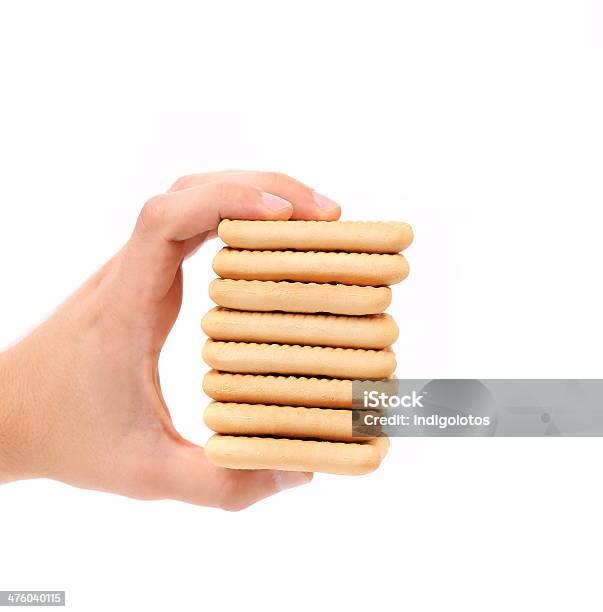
(350, 236)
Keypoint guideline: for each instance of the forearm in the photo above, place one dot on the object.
(15, 417)
(42, 408)
(29, 405)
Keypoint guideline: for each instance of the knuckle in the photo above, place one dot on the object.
(279, 178)
(153, 212)
(184, 182)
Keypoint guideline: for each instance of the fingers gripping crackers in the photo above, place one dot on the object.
(299, 317)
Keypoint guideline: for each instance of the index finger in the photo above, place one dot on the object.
(307, 203)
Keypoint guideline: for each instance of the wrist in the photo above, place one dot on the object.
(17, 420)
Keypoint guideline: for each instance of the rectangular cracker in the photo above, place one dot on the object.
(351, 236)
(371, 331)
(253, 358)
(265, 296)
(253, 453)
(360, 269)
(282, 390)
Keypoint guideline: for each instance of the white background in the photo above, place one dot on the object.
(481, 124)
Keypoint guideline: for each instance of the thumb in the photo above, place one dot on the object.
(187, 475)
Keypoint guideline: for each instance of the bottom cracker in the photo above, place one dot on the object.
(250, 453)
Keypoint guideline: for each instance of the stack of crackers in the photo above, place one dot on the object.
(299, 318)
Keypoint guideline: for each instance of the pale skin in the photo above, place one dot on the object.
(80, 396)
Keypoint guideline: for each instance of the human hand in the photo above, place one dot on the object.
(80, 397)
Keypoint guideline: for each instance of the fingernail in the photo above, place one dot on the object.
(288, 480)
(324, 202)
(272, 202)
